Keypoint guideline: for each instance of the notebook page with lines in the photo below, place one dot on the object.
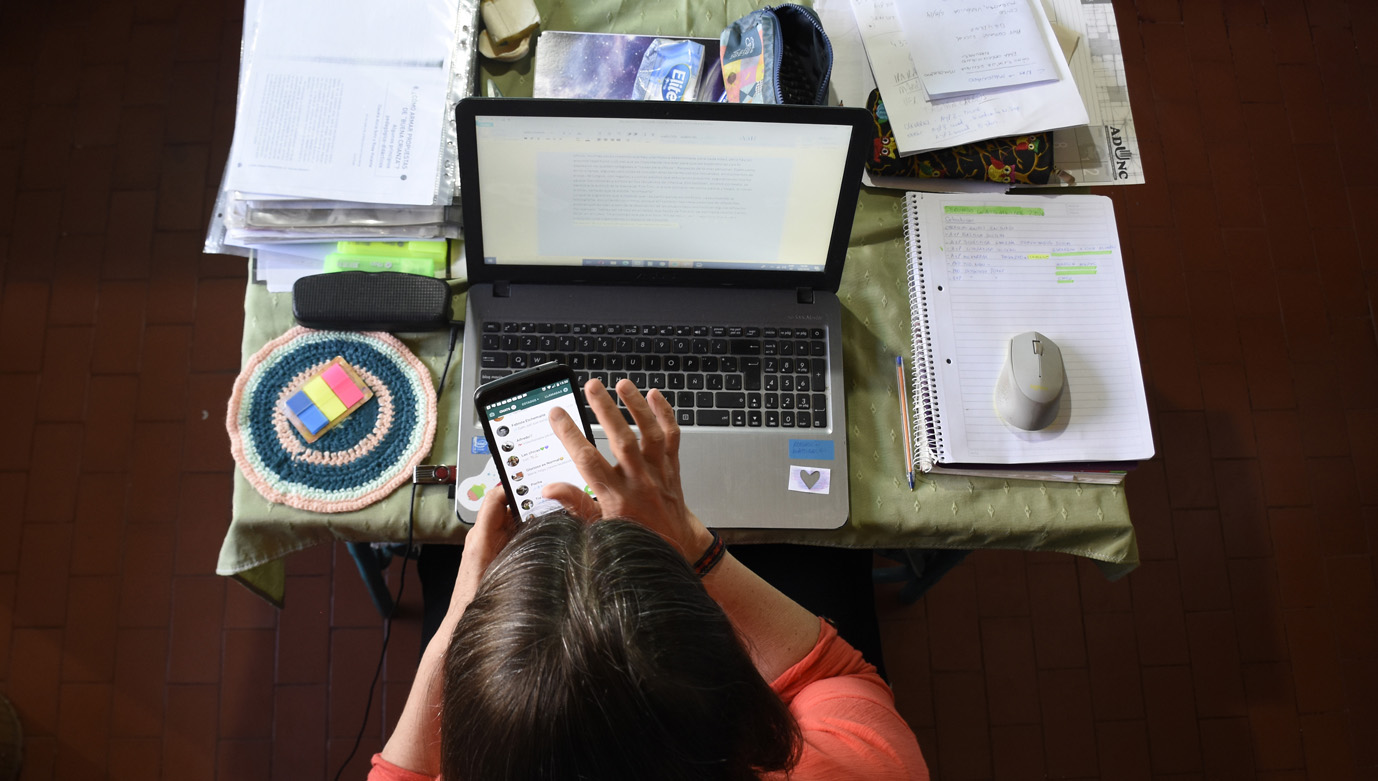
(984, 268)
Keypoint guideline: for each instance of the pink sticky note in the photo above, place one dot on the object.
(339, 381)
(335, 376)
(349, 393)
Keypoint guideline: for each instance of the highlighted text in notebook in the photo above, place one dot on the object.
(1067, 269)
(1023, 211)
(984, 269)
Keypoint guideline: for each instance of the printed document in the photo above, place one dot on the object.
(345, 101)
(965, 46)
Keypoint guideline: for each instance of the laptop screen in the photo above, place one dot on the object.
(658, 193)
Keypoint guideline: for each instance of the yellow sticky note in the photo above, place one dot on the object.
(324, 398)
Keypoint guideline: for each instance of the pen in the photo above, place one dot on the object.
(904, 417)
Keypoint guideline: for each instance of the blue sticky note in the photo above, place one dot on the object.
(811, 449)
(313, 419)
(298, 403)
(479, 446)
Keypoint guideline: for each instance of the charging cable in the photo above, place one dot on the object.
(455, 328)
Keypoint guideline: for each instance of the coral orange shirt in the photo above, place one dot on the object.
(845, 711)
(847, 715)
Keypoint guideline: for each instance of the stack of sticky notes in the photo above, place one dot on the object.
(326, 400)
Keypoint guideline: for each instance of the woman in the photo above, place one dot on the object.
(595, 650)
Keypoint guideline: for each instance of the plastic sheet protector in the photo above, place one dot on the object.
(345, 100)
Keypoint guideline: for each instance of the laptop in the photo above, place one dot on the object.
(694, 247)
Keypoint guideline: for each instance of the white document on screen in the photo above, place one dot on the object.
(345, 100)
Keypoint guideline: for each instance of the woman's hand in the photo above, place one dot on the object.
(491, 533)
(644, 485)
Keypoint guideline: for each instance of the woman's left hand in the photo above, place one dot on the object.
(491, 533)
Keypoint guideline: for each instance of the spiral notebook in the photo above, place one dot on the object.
(983, 268)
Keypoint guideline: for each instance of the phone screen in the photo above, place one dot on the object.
(526, 448)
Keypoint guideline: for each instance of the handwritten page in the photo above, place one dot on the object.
(965, 46)
(997, 266)
(851, 84)
(921, 123)
(906, 104)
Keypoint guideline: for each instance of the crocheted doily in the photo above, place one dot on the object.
(361, 460)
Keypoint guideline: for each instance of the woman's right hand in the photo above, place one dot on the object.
(644, 485)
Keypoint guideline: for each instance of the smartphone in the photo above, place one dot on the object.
(514, 411)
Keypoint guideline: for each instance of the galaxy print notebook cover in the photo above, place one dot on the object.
(604, 65)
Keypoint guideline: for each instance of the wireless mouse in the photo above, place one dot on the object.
(1029, 390)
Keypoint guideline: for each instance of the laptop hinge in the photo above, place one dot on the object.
(805, 295)
(502, 289)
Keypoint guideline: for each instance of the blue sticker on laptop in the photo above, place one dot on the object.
(479, 446)
(812, 449)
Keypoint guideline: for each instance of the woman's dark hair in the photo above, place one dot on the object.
(592, 651)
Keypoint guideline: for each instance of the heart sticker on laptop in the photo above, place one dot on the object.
(810, 479)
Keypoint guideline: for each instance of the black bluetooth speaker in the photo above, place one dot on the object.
(371, 301)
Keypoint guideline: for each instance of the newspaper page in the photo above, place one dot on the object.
(1106, 150)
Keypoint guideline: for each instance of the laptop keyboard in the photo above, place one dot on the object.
(736, 376)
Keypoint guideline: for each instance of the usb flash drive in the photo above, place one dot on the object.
(433, 474)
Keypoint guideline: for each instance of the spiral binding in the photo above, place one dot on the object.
(929, 427)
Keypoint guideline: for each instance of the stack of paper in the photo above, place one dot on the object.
(344, 126)
(1087, 106)
(990, 68)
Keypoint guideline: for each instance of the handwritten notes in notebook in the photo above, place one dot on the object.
(999, 266)
(964, 46)
(922, 122)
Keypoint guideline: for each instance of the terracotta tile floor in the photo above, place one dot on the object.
(1245, 646)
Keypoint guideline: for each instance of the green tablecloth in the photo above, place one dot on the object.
(942, 512)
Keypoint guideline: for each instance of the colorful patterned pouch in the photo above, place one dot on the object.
(776, 55)
(1026, 159)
